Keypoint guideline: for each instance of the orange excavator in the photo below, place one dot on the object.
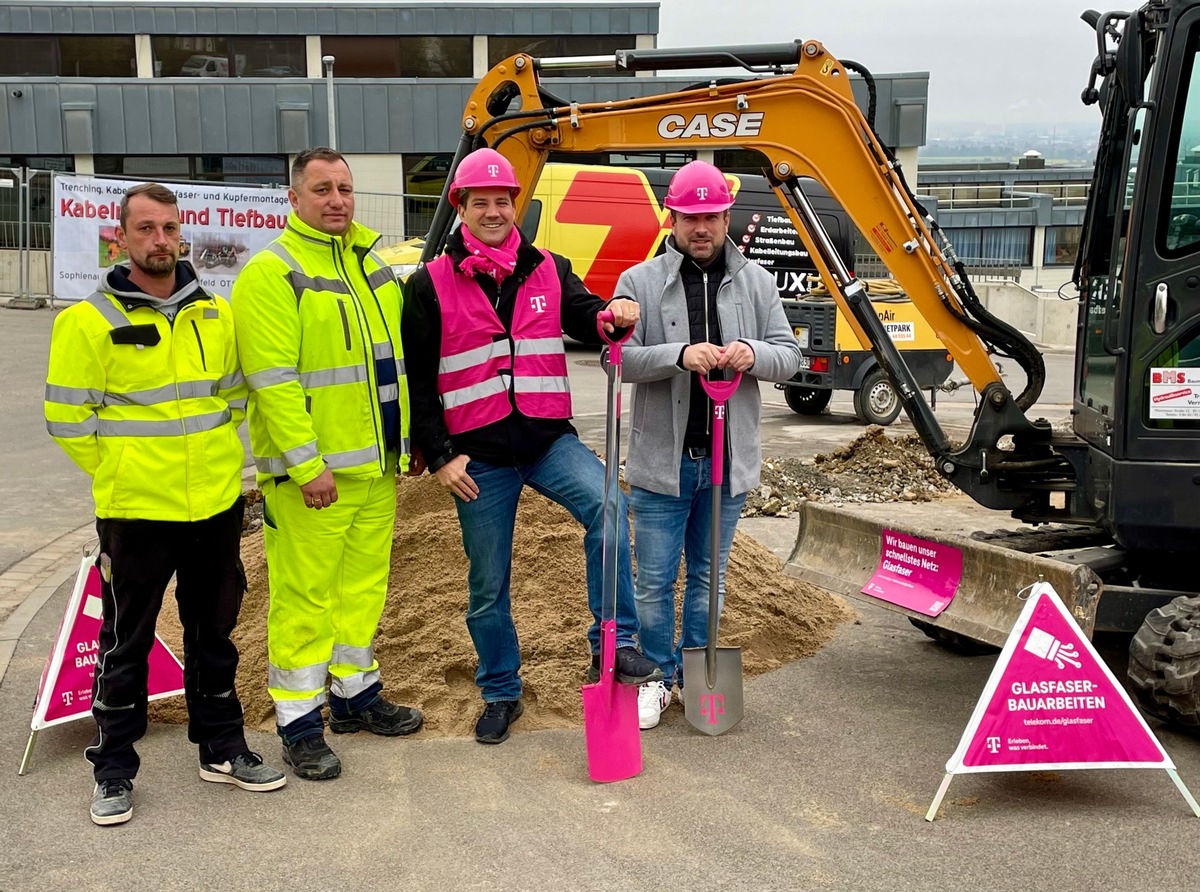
(1124, 482)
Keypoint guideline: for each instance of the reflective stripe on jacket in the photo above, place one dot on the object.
(149, 407)
(480, 362)
(318, 321)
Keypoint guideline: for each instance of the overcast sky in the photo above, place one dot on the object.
(1003, 61)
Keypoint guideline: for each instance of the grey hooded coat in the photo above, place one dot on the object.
(749, 310)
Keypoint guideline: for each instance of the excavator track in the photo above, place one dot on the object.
(1164, 664)
(1045, 538)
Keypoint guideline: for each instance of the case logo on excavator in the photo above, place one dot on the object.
(722, 124)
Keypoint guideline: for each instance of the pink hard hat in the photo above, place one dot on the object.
(699, 188)
(484, 169)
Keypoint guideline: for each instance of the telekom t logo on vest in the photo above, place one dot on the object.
(537, 303)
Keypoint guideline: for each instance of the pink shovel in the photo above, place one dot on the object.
(713, 696)
(610, 715)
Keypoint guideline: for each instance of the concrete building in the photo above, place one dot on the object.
(1020, 215)
(227, 90)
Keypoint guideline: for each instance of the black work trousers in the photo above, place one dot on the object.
(209, 584)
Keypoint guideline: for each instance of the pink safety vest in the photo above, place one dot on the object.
(478, 355)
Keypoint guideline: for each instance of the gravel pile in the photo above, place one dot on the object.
(875, 467)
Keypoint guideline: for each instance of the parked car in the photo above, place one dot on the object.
(201, 65)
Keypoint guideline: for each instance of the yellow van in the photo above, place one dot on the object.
(605, 219)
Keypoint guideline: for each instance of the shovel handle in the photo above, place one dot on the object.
(614, 344)
(719, 392)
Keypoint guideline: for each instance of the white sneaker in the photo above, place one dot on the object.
(653, 698)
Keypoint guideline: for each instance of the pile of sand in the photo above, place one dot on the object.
(425, 652)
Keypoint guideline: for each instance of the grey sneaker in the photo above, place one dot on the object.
(247, 771)
(112, 802)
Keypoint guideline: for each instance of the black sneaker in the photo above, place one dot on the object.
(497, 718)
(312, 759)
(381, 717)
(632, 667)
(112, 802)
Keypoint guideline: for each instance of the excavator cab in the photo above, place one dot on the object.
(1137, 394)
(1137, 381)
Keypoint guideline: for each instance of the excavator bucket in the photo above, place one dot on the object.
(838, 550)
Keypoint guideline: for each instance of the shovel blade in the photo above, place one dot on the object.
(713, 710)
(610, 718)
(610, 727)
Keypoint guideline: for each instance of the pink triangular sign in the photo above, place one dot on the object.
(65, 691)
(1051, 703)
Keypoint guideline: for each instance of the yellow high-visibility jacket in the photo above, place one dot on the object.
(317, 318)
(146, 396)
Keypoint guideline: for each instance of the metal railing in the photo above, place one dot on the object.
(995, 195)
(870, 266)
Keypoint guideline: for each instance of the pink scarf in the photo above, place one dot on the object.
(497, 262)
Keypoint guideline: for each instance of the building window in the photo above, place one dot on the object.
(93, 56)
(251, 170)
(1062, 244)
(500, 48)
(666, 160)
(993, 245)
(57, 163)
(424, 179)
(229, 57)
(399, 56)
(742, 161)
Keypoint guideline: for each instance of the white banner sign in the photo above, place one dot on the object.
(1175, 393)
(223, 227)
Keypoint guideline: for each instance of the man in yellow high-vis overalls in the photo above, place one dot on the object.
(318, 324)
(145, 395)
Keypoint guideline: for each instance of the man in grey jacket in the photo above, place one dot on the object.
(705, 310)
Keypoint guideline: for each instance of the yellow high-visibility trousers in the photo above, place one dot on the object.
(328, 581)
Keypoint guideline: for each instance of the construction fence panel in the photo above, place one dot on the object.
(394, 217)
(26, 198)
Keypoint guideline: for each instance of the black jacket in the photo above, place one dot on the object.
(515, 439)
(704, 327)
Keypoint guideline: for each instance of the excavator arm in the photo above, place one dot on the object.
(803, 118)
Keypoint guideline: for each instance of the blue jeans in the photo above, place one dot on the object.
(570, 474)
(666, 528)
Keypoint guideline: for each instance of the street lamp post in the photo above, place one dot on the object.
(327, 61)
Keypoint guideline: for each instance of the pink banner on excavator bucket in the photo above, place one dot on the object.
(65, 691)
(915, 573)
(1052, 702)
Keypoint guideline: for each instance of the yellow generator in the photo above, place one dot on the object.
(831, 358)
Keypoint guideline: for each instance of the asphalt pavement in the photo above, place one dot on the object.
(822, 786)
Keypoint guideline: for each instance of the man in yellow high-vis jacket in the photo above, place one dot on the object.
(318, 323)
(144, 393)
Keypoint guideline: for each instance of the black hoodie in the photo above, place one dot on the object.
(187, 290)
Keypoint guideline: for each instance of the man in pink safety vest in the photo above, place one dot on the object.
(491, 412)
